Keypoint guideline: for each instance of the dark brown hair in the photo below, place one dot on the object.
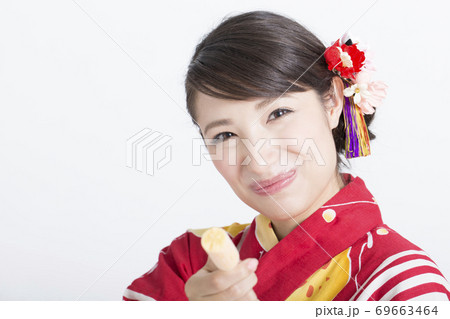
(260, 54)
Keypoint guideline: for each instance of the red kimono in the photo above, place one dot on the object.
(343, 251)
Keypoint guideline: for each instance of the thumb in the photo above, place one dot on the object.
(210, 266)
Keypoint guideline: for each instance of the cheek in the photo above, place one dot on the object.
(227, 169)
(325, 144)
(313, 138)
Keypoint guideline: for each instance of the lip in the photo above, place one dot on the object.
(275, 184)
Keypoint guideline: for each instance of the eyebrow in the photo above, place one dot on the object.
(258, 107)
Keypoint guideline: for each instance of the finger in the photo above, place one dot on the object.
(199, 282)
(202, 282)
(199, 285)
(221, 280)
(210, 266)
(210, 283)
(237, 290)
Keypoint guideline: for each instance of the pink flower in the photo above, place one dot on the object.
(367, 95)
(368, 65)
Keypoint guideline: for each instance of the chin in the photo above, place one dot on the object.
(290, 208)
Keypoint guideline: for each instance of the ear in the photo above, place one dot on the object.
(335, 103)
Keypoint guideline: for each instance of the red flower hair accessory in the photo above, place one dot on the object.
(345, 59)
(361, 95)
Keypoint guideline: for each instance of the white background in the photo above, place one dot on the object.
(77, 79)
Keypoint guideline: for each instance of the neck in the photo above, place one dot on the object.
(283, 228)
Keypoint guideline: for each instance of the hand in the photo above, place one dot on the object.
(211, 283)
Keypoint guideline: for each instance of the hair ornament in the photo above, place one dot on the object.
(348, 59)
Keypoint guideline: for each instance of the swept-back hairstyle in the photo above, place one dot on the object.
(260, 54)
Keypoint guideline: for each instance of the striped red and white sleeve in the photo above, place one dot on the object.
(166, 280)
(407, 275)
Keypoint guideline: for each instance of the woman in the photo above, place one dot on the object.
(269, 106)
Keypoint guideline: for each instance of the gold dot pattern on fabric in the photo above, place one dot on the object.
(382, 231)
(329, 215)
(327, 281)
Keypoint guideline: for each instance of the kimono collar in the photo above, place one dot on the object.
(344, 219)
(348, 203)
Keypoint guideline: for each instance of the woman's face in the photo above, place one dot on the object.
(292, 134)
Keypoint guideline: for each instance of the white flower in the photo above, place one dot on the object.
(358, 91)
(366, 94)
(345, 58)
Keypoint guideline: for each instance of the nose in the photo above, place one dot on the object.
(259, 157)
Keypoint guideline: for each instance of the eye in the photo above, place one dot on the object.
(279, 112)
(222, 137)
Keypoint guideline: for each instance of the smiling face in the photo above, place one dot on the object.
(251, 144)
